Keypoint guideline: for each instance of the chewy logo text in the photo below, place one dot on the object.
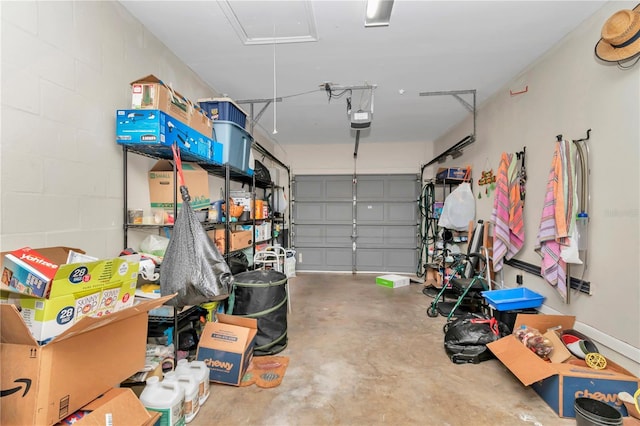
(214, 363)
(604, 397)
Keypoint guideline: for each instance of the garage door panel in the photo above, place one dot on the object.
(308, 189)
(339, 212)
(370, 212)
(309, 212)
(339, 188)
(386, 236)
(386, 218)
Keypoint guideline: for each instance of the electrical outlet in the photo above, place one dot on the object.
(519, 279)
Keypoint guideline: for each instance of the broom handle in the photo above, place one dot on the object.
(178, 160)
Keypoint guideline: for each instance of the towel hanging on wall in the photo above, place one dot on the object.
(507, 214)
(558, 217)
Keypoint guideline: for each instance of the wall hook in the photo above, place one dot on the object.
(525, 90)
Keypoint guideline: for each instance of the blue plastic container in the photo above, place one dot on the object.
(236, 144)
(224, 110)
(513, 298)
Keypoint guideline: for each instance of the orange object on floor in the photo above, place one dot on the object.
(265, 371)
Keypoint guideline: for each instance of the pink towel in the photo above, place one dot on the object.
(508, 233)
(553, 231)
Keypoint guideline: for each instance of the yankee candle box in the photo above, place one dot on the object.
(226, 347)
(44, 384)
(392, 281)
(559, 383)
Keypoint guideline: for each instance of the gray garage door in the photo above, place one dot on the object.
(367, 226)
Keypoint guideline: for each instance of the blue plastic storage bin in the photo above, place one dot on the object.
(224, 109)
(236, 144)
(513, 298)
(154, 132)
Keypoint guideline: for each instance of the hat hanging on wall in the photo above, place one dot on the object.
(620, 36)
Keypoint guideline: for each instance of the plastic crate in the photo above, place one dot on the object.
(513, 298)
(236, 144)
(224, 109)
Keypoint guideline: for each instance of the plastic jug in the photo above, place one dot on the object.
(217, 207)
(582, 227)
(166, 398)
(190, 386)
(201, 372)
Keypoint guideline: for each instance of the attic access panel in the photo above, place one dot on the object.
(269, 22)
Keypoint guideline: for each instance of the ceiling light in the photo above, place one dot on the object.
(378, 13)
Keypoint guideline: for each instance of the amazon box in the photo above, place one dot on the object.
(226, 347)
(42, 384)
(121, 406)
(566, 377)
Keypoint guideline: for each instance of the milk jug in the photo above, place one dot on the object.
(164, 397)
(201, 372)
(190, 387)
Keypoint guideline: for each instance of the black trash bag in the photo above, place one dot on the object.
(261, 172)
(466, 337)
(192, 265)
(262, 294)
(238, 262)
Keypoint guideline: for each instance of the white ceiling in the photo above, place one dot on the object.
(430, 46)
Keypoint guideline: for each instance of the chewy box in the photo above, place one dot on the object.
(226, 347)
(155, 132)
(392, 281)
(509, 299)
(162, 186)
(236, 144)
(560, 383)
(44, 384)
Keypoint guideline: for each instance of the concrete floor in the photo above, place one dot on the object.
(361, 354)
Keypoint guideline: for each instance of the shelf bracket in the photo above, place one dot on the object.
(456, 150)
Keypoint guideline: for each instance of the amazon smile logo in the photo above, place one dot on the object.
(23, 382)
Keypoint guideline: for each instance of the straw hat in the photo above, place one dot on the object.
(620, 36)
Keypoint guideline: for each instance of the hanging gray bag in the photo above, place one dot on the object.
(192, 266)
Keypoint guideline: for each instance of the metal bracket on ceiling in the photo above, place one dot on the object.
(456, 150)
(252, 102)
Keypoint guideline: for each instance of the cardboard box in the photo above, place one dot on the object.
(226, 347)
(238, 239)
(201, 122)
(152, 93)
(162, 186)
(47, 318)
(560, 383)
(452, 173)
(121, 407)
(61, 278)
(44, 384)
(154, 132)
(392, 281)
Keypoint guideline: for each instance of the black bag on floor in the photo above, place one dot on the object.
(466, 338)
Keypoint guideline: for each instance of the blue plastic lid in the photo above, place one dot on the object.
(582, 215)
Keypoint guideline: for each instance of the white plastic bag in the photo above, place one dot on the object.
(459, 208)
(155, 245)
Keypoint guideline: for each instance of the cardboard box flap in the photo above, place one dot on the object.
(120, 404)
(167, 166)
(544, 322)
(226, 337)
(90, 323)
(579, 368)
(150, 79)
(12, 328)
(237, 320)
(523, 363)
